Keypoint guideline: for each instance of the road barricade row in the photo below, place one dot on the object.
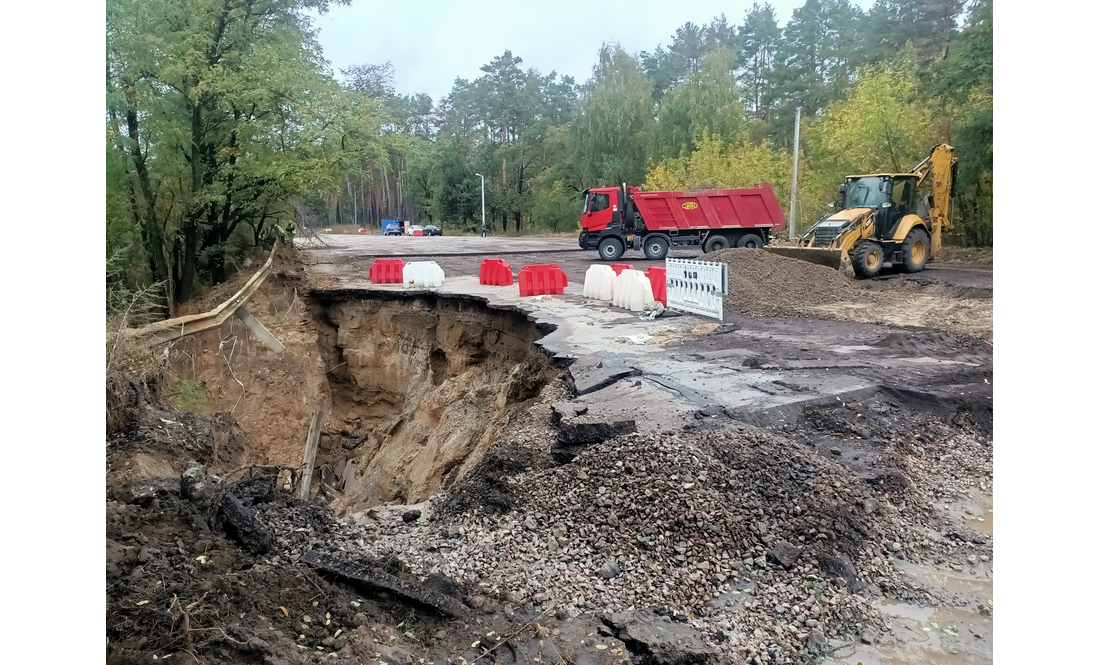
(603, 282)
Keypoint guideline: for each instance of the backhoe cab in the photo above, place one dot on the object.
(882, 219)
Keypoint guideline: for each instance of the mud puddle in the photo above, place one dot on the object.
(924, 635)
(976, 512)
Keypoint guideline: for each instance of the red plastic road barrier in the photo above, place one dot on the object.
(657, 279)
(619, 267)
(387, 271)
(363, 231)
(539, 279)
(417, 232)
(496, 272)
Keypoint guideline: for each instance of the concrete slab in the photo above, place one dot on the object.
(661, 372)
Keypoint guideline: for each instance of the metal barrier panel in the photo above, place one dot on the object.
(696, 286)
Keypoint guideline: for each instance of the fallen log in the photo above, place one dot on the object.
(371, 576)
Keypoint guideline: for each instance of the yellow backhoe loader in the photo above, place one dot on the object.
(880, 220)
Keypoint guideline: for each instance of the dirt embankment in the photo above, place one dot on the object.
(411, 385)
(765, 543)
(418, 386)
(764, 284)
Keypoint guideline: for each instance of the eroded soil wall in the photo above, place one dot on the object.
(418, 385)
(412, 385)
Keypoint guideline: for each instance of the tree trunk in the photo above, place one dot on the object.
(152, 237)
(185, 285)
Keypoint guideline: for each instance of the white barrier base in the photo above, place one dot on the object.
(632, 291)
(599, 283)
(422, 274)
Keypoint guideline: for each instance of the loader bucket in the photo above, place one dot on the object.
(832, 258)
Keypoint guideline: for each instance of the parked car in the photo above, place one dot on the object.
(416, 230)
(392, 229)
(432, 230)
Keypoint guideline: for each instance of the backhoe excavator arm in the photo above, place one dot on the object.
(940, 167)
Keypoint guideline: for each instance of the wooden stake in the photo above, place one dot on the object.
(312, 439)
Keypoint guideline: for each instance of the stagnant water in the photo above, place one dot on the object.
(927, 635)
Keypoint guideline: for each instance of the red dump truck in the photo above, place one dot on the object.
(619, 218)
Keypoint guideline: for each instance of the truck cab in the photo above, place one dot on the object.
(603, 207)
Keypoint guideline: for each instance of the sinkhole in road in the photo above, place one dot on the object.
(420, 386)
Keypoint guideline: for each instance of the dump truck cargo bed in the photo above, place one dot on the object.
(750, 207)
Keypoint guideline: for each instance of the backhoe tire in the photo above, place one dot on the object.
(655, 248)
(716, 243)
(751, 241)
(611, 249)
(867, 258)
(915, 250)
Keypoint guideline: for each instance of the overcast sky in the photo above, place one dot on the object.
(432, 43)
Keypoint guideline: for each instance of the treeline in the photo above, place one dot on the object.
(223, 120)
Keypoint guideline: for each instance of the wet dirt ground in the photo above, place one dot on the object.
(770, 372)
(857, 439)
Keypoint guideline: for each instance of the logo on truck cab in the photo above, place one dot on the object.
(690, 205)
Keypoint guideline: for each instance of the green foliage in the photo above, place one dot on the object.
(224, 122)
(557, 208)
(758, 39)
(217, 113)
(709, 102)
(882, 126)
(134, 305)
(717, 164)
(189, 397)
(614, 118)
(965, 80)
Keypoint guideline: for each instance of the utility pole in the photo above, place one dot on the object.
(794, 177)
(482, 203)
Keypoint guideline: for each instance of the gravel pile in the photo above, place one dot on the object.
(764, 284)
(766, 544)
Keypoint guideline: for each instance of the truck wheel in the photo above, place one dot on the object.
(610, 249)
(915, 250)
(716, 243)
(656, 248)
(751, 241)
(868, 258)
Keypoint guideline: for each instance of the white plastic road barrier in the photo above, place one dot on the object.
(422, 274)
(696, 286)
(632, 291)
(599, 283)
